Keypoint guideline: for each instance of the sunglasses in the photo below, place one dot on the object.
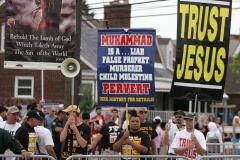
(178, 116)
(141, 112)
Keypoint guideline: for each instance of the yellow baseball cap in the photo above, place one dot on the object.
(72, 108)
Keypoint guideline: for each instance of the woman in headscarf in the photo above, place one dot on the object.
(236, 138)
(214, 136)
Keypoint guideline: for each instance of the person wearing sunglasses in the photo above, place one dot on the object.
(75, 133)
(149, 128)
(49, 118)
(172, 129)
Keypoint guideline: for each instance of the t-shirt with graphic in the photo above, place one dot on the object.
(27, 136)
(171, 134)
(44, 138)
(72, 146)
(183, 138)
(139, 138)
(11, 128)
(109, 132)
(148, 128)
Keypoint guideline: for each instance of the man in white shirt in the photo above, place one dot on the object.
(2, 113)
(189, 142)
(11, 125)
(172, 129)
(44, 140)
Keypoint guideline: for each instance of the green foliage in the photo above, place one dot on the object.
(86, 9)
(236, 65)
(86, 101)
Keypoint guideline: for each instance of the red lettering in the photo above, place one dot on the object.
(136, 39)
(129, 39)
(112, 88)
(126, 86)
(132, 88)
(104, 40)
(146, 87)
(119, 88)
(123, 40)
(139, 88)
(111, 39)
(105, 88)
(143, 40)
(149, 40)
(117, 40)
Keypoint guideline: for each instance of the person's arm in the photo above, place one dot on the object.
(119, 123)
(63, 134)
(199, 148)
(51, 152)
(180, 151)
(140, 148)
(119, 141)
(154, 147)
(80, 139)
(96, 140)
(166, 135)
(55, 127)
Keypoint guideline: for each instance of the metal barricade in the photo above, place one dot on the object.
(228, 148)
(17, 157)
(127, 157)
(221, 157)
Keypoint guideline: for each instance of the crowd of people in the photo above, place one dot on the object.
(44, 133)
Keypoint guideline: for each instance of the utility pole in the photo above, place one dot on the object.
(78, 78)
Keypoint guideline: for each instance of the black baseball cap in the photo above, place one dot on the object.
(179, 112)
(34, 114)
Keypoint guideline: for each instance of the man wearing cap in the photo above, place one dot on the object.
(44, 139)
(11, 125)
(189, 142)
(57, 127)
(172, 129)
(26, 134)
(75, 133)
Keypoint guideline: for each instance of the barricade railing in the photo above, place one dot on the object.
(221, 157)
(17, 157)
(228, 148)
(127, 157)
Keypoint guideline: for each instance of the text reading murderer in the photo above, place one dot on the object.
(205, 24)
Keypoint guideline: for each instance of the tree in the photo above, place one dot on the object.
(236, 65)
(85, 9)
(86, 101)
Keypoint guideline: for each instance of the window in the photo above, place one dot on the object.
(24, 87)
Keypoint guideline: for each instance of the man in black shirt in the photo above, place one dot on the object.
(57, 127)
(26, 134)
(148, 128)
(134, 141)
(75, 132)
(107, 135)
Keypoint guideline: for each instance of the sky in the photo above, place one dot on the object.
(165, 17)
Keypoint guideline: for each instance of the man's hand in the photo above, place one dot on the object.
(194, 138)
(70, 120)
(25, 155)
(190, 146)
(126, 134)
(168, 127)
